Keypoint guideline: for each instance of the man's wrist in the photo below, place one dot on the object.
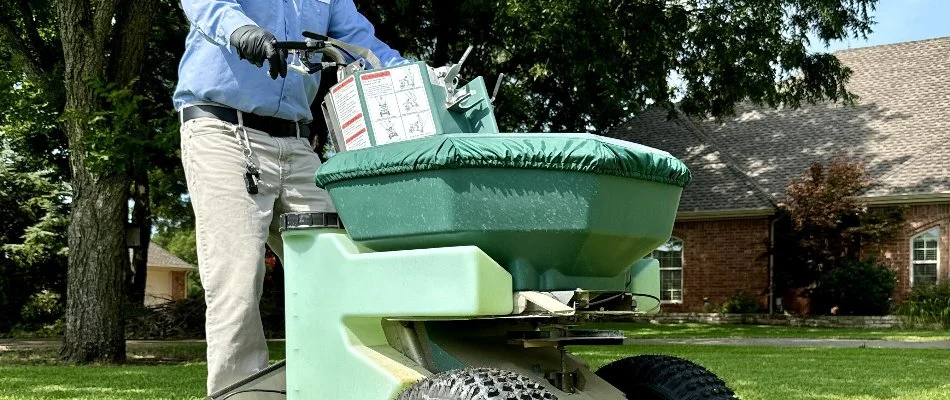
(231, 22)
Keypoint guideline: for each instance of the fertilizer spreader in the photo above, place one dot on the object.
(463, 262)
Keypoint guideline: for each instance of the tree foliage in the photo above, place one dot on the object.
(32, 241)
(33, 209)
(822, 224)
(78, 53)
(88, 83)
(573, 65)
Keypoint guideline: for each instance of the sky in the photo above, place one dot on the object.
(902, 21)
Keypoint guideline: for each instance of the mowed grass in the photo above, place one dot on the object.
(702, 331)
(184, 381)
(155, 370)
(176, 371)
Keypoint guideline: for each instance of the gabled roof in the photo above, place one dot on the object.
(900, 130)
(717, 185)
(161, 258)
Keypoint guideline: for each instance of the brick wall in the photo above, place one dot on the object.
(919, 218)
(721, 257)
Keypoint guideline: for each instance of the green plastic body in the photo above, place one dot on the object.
(645, 285)
(552, 230)
(472, 115)
(338, 292)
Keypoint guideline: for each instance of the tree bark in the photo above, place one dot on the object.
(98, 261)
(98, 257)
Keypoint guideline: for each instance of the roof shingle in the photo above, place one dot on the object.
(159, 257)
(899, 129)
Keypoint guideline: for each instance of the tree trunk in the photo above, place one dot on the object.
(142, 219)
(98, 257)
(98, 261)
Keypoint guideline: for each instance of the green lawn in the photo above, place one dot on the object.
(701, 331)
(175, 370)
(155, 371)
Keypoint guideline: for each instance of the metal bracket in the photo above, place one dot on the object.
(350, 69)
(453, 97)
(562, 337)
(534, 302)
(565, 379)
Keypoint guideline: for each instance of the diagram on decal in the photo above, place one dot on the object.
(407, 82)
(397, 105)
(383, 107)
(410, 102)
(415, 128)
(390, 130)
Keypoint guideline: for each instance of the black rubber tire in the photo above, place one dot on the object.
(658, 377)
(477, 384)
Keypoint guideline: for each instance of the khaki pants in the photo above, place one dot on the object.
(232, 227)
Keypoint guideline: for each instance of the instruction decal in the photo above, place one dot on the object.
(346, 102)
(397, 104)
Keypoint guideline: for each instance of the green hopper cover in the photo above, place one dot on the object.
(559, 151)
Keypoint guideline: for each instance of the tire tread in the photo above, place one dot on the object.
(669, 377)
(477, 384)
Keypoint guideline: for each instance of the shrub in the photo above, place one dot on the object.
(821, 225)
(43, 307)
(34, 331)
(928, 305)
(855, 288)
(182, 319)
(40, 317)
(741, 303)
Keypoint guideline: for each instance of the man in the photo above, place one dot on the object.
(246, 152)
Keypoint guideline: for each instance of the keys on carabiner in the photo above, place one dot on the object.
(251, 178)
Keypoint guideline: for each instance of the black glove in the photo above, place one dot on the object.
(256, 44)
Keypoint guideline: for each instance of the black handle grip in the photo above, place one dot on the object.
(315, 36)
(308, 45)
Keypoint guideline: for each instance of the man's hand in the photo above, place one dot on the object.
(256, 44)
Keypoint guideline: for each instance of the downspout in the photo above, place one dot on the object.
(772, 265)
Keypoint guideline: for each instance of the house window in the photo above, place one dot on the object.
(924, 258)
(670, 256)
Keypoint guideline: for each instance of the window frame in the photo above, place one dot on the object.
(682, 260)
(933, 231)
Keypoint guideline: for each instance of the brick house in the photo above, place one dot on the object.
(900, 131)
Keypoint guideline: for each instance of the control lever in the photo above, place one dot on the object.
(494, 92)
(454, 97)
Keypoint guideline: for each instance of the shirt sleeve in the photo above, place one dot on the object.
(216, 20)
(349, 26)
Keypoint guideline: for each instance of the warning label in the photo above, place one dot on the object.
(354, 133)
(346, 104)
(397, 104)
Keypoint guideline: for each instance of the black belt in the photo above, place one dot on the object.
(270, 125)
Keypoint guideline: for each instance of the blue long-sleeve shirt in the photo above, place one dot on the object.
(211, 71)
